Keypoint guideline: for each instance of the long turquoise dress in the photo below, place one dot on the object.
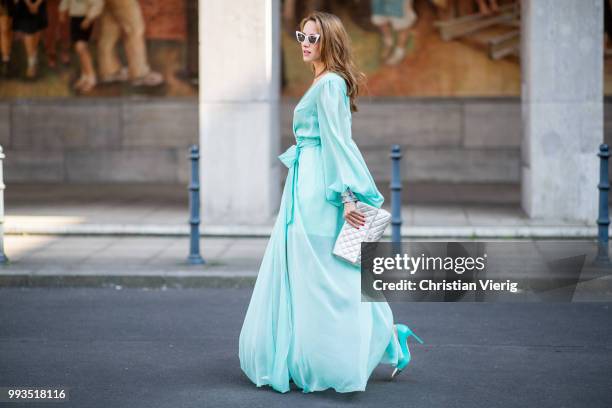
(305, 321)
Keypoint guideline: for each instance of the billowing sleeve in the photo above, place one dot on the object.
(343, 164)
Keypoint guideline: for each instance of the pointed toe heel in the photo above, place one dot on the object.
(417, 338)
(403, 332)
(395, 372)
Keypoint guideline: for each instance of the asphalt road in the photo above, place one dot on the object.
(178, 348)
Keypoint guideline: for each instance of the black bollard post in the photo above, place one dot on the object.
(396, 198)
(194, 208)
(603, 221)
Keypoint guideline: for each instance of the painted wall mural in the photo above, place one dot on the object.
(409, 48)
(419, 48)
(56, 48)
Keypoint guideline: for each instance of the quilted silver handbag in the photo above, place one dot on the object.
(348, 243)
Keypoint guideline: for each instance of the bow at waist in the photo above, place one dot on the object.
(290, 156)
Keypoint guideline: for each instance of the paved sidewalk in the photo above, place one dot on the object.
(137, 236)
(65, 260)
(157, 262)
(163, 211)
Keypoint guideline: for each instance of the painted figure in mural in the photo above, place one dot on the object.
(487, 7)
(393, 16)
(124, 19)
(57, 35)
(6, 35)
(82, 15)
(30, 19)
(305, 321)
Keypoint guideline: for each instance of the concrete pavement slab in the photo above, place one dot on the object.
(163, 210)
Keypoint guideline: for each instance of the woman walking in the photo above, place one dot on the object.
(305, 321)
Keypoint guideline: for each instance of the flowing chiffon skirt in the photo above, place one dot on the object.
(305, 320)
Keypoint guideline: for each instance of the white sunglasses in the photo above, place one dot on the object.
(312, 38)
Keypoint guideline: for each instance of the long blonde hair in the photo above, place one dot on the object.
(336, 52)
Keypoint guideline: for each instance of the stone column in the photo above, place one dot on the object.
(562, 107)
(239, 108)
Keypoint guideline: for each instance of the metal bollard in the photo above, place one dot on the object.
(3, 258)
(396, 198)
(194, 208)
(603, 221)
